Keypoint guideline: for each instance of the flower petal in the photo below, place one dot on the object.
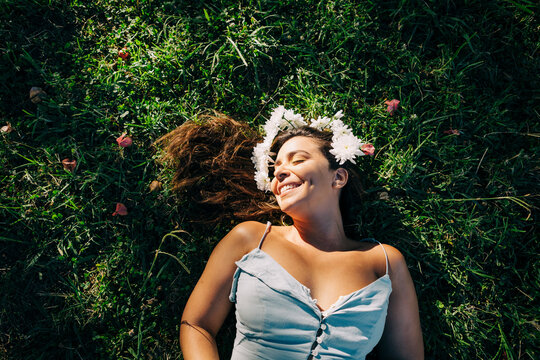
(452, 132)
(121, 210)
(69, 165)
(123, 53)
(124, 141)
(6, 128)
(368, 149)
(392, 105)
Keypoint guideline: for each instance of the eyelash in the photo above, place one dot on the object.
(293, 162)
(271, 168)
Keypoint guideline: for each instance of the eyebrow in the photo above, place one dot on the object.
(291, 155)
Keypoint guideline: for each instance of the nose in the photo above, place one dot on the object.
(281, 173)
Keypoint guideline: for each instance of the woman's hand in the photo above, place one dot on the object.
(402, 337)
(209, 303)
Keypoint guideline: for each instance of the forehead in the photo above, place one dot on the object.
(299, 143)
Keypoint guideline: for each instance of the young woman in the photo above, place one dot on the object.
(308, 290)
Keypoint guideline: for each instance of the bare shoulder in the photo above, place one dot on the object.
(244, 237)
(402, 337)
(395, 257)
(397, 265)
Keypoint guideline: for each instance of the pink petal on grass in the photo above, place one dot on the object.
(124, 141)
(121, 210)
(392, 106)
(123, 53)
(368, 149)
(6, 128)
(452, 132)
(69, 165)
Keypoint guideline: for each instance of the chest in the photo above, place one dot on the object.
(277, 316)
(328, 275)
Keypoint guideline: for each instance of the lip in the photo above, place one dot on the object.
(286, 184)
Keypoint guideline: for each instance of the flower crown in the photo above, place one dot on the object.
(345, 145)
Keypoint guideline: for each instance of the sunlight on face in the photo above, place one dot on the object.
(302, 175)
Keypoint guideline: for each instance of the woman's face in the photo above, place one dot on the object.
(303, 179)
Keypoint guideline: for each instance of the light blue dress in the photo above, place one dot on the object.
(277, 319)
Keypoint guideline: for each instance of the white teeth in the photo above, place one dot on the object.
(288, 187)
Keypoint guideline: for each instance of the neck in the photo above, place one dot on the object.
(325, 233)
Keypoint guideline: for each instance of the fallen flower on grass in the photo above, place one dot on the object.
(121, 210)
(123, 53)
(6, 129)
(37, 94)
(69, 165)
(124, 141)
(155, 185)
(452, 132)
(368, 149)
(392, 106)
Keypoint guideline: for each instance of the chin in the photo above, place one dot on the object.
(291, 208)
(285, 207)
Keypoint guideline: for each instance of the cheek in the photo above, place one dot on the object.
(273, 185)
(325, 178)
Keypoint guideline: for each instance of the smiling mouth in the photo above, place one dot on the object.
(285, 189)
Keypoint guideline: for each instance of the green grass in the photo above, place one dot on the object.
(78, 283)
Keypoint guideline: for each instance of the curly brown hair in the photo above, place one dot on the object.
(211, 158)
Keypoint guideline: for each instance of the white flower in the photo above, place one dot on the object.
(336, 124)
(321, 122)
(346, 148)
(345, 145)
(261, 150)
(338, 115)
(270, 135)
(339, 129)
(298, 122)
(271, 126)
(263, 164)
(262, 180)
(277, 114)
(290, 115)
(294, 120)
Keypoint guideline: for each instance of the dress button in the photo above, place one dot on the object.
(314, 352)
(323, 326)
(319, 339)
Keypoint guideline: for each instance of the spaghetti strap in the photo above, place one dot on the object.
(385, 254)
(268, 225)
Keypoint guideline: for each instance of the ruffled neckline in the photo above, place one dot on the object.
(294, 283)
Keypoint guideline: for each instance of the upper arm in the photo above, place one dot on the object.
(208, 304)
(402, 337)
